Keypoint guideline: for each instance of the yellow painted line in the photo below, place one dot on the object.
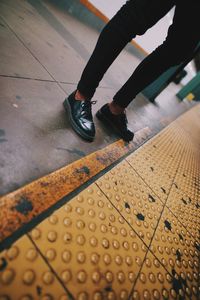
(21, 206)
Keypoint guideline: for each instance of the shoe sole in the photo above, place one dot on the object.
(105, 121)
(73, 124)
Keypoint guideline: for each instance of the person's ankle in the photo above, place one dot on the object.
(115, 108)
(79, 96)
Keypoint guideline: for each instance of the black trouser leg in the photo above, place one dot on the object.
(134, 18)
(183, 37)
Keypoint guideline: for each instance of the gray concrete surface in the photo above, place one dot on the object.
(43, 51)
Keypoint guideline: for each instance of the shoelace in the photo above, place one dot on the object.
(87, 105)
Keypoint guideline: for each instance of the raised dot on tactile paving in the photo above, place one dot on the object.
(31, 254)
(149, 235)
(123, 295)
(91, 213)
(135, 246)
(52, 236)
(131, 276)
(35, 233)
(126, 245)
(138, 261)
(68, 208)
(156, 295)
(111, 295)
(48, 278)
(81, 257)
(102, 215)
(118, 260)
(53, 219)
(107, 258)
(80, 198)
(146, 295)
(112, 218)
(90, 201)
(129, 260)
(67, 222)
(105, 243)
(95, 258)
(50, 254)
(148, 262)
(83, 296)
(156, 263)
(109, 195)
(80, 210)
(29, 277)
(160, 277)
(123, 232)
(92, 226)
(142, 277)
(93, 241)
(81, 276)
(116, 244)
(109, 276)
(103, 228)
(90, 191)
(7, 276)
(66, 276)
(97, 296)
(136, 295)
(121, 277)
(67, 238)
(80, 224)
(168, 277)
(152, 277)
(66, 256)
(173, 293)
(117, 198)
(114, 230)
(195, 290)
(96, 277)
(101, 203)
(12, 253)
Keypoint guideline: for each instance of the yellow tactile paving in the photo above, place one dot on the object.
(161, 155)
(186, 209)
(90, 246)
(154, 282)
(177, 250)
(133, 234)
(133, 199)
(24, 275)
(188, 174)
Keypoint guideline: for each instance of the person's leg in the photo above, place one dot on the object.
(134, 18)
(183, 37)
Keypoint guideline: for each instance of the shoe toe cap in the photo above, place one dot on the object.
(88, 127)
(129, 136)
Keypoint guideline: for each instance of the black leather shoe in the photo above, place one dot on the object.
(80, 116)
(116, 122)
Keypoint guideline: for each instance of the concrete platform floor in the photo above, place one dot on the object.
(43, 51)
